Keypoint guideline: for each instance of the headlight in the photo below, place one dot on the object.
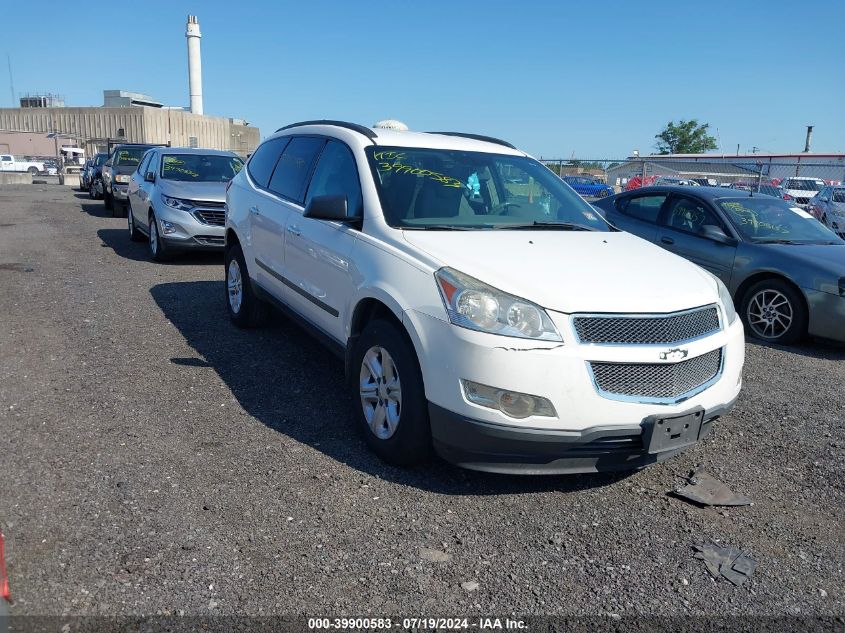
(726, 301)
(121, 178)
(476, 306)
(177, 203)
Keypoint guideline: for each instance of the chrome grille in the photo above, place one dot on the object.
(657, 381)
(647, 329)
(212, 217)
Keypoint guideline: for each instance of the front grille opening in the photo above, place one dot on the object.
(646, 330)
(657, 380)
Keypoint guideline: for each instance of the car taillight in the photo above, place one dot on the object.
(5, 594)
(786, 196)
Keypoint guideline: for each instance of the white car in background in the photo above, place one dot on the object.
(12, 163)
(800, 189)
(828, 206)
(483, 309)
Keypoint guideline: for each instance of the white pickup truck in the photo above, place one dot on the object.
(10, 163)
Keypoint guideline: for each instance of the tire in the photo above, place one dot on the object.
(245, 309)
(33, 171)
(134, 234)
(603, 193)
(774, 311)
(158, 251)
(118, 209)
(107, 199)
(394, 422)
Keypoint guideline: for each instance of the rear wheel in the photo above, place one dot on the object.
(246, 310)
(134, 233)
(33, 170)
(603, 193)
(774, 311)
(389, 396)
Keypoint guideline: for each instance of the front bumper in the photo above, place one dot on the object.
(827, 315)
(478, 445)
(120, 191)
(188, 232)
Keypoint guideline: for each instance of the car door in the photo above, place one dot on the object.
(317, 252)
(146, 190)
(135, 188)
(679, 231)
(265, 217)
(636, 213)
(288, 184)
(6, 163)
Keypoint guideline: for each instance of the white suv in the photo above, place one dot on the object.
(483, 309)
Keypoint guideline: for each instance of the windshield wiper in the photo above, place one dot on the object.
(777, 241)
(562, 226)
(444, 227)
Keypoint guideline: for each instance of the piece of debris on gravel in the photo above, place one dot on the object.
(728, 562)
(704, 489)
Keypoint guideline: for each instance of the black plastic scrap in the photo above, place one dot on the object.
(728, 562)
(705, 490)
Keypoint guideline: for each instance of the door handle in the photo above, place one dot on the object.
(294, 230)
(667, 240)
(254, 210)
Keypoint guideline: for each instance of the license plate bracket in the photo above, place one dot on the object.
(671, 433)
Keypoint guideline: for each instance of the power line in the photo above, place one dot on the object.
(11, 80)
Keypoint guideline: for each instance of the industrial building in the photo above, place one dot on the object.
(42, 125)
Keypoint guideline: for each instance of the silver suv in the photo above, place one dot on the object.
(177, 199)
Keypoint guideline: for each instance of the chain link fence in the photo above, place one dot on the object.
(799, 176)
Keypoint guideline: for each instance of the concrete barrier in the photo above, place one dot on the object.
(69, 180)
(15, 178)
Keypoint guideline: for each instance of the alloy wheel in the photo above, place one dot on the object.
(153, 236)
(770, 314)
(381, 392)
(234, 286)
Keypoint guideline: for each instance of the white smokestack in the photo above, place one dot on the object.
(192, 33)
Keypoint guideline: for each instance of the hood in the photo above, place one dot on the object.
(574, 271)
(198, 191)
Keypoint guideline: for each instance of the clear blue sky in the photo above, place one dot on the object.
(592, 79)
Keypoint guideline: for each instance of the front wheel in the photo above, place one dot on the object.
(774, 311)
(134, 233)
(158, 251)
(107, 199)
(389, 396)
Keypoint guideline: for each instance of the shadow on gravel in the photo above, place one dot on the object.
(288, 381)
(118, 240)
(813, 348)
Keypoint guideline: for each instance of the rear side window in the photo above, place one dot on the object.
(260, 166)
(336, 174)
(645, 208)
(839, 195)
(291, 175)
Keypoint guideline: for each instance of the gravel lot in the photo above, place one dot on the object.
(157, 460)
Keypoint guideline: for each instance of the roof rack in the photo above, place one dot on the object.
(369, 133)
(477, 137)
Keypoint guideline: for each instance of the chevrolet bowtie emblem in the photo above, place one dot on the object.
(674, 354)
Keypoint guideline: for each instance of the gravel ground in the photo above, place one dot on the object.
(157, 460)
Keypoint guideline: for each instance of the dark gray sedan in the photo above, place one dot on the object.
(785, 270)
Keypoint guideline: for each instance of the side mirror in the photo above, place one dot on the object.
(150, 176)
(716, 234)
(332, 208)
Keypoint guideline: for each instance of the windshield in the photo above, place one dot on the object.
(200, 168)
(130, 156)
(451, 189)
(803, 185)
(767, 219)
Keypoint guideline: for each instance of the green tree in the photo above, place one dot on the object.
(685, 137)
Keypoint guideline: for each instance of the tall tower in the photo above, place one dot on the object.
(193, 35)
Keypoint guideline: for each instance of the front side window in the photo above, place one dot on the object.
(424, 188)
(294, 167)
(336, 174)
(645, 208)
(200, 167)
(764, 220)
(689, 215)
(143, 166)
